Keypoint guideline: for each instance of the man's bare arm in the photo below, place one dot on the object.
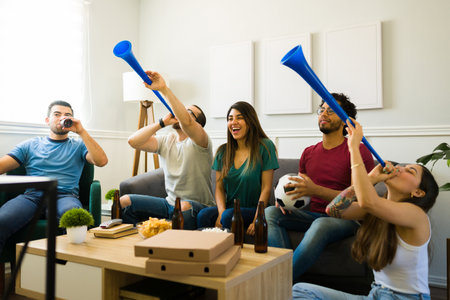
(7, 163)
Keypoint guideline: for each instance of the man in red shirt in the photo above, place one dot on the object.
(325, 171)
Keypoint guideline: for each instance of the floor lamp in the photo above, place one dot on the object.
(135, 91)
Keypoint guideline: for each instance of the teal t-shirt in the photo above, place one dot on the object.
(246, 186)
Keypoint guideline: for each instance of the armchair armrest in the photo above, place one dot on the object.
(151, 183)
(95, 202)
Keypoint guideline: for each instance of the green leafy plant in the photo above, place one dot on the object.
(76, 217)
(110, 194)
(442, 151)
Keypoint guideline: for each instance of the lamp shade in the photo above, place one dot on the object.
(135, 90)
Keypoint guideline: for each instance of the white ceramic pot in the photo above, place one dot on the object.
(77, 235)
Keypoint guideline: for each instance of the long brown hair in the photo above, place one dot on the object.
(254, 137)
(376, 240)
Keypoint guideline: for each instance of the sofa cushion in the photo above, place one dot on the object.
(151, 183)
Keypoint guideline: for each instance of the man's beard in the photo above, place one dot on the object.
(176, 126)
(332, 128)
(58, 132)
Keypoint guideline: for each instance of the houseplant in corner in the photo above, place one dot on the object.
(442, 151)
(76, 221)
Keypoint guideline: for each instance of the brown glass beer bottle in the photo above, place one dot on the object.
(237, 224)
(177, 217)
(260, 229)
(116, 210)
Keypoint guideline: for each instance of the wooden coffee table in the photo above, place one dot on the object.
(99, 267)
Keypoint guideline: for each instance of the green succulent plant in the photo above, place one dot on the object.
(110, 194)
(442, 151)
(76, 217)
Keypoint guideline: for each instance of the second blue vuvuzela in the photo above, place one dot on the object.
(295, 60)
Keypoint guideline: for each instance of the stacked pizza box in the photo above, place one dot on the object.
(189, 252)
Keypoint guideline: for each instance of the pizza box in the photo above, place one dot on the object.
(185, 245)
(221, 266)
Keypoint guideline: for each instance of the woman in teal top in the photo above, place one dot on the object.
(244, 169)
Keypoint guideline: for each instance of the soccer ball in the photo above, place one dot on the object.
(287, 201)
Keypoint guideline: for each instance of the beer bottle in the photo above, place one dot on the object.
(237, 224)
(116, 210)
(260, 229)
(177, 217)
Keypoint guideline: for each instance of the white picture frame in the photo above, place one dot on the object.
(231, 76)
(353, 61)
(284, 91)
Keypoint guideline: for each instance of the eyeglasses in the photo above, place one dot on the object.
(190, 111)
(329, 111)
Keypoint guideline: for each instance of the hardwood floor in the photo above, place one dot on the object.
(436, 292)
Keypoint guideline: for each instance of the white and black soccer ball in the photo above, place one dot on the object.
(287, 201)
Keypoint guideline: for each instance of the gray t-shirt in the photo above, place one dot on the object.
(187, 169)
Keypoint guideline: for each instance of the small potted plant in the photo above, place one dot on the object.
(110, 196)
(76, 221)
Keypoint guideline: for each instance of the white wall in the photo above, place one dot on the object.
(175, 38)
(112, 21)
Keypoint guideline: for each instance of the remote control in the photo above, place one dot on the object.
(110, 223)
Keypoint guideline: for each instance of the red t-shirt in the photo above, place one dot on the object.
(330, 168)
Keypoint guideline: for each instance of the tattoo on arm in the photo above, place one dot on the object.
(341, 202)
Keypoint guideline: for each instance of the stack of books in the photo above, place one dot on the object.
(114, 232)
(186, 252)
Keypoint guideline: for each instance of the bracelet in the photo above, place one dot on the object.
(161, 123)
(354, 166)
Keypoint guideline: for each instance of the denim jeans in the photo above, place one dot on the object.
(18, 212)
(310, 291)
(142, 207)
(320, 230)
(207, 217)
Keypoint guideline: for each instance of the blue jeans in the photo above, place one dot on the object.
(18, 212)
(320, 230)
(310, 291)
(207, 217)
(142, 207)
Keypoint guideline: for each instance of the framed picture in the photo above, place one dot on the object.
(353, 64)
(284, 91)
(231, 76)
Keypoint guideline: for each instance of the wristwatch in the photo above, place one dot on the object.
(161, 123)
